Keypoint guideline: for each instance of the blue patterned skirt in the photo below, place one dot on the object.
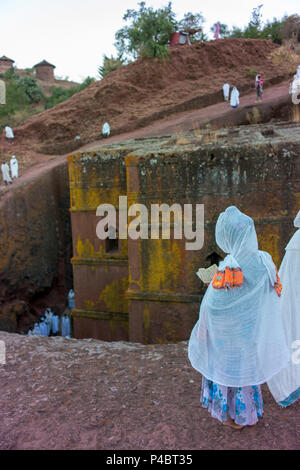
(243, 404)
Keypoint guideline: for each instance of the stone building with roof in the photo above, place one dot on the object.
(5, 64)
(44, 71)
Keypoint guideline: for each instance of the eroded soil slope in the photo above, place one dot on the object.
(148, 89)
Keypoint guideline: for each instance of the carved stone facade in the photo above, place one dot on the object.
(146, 290)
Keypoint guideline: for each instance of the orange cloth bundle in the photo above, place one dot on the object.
(228, 279)
(278, 285)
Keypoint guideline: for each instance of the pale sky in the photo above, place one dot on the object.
(74, 34)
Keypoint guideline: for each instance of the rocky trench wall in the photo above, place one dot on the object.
(35, 248)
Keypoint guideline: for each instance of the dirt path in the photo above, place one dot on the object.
(175, 124)
(189, 120)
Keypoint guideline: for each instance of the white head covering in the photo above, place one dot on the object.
(294, 243)
(234, 97)
(285, 386)
(297, 220)
(226, 90)
(238, 339)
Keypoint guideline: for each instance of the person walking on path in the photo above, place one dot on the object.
(14, 167)
(106, 130)
(234, 98)
(9, 134)
(226, 91)
(5, 173)
(259, 87)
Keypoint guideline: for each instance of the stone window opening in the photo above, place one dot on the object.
(112, 241)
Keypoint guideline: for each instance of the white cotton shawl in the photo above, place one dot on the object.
(14, 167)
(106, 128)
(5, 172)
(9, 132)
(238, 339)
(285, 386)
(234, 97)
(226, 90)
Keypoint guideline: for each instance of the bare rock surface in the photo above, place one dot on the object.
(61, 393)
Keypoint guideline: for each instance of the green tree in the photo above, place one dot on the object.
(86, 82)
(31, 89)
(273, 30)
(236, 32)
(109, 64)
(16, 99)
(147, 33)
(193, 23)
(254, 28)
(60, 94)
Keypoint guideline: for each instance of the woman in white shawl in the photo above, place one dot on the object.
(5, 173)
(238, 342)
(226, 91)
(14, 167)
(106, 130)
(234, 98)
(285, 386)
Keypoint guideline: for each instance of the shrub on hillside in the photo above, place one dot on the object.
(60, 94)
(15, 97)
(31, 89)
(109, 64)
(286, 59)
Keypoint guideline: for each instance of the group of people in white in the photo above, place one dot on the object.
(50, 324)
(11, 171)
(234, 95)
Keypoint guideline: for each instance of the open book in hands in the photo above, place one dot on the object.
(207, 274)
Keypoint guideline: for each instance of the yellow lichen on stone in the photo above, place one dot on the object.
(146, 323)
(113, 295)
(162, 267)
(85, 249)
(268, 241)
(89, 305)
(90, 196)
